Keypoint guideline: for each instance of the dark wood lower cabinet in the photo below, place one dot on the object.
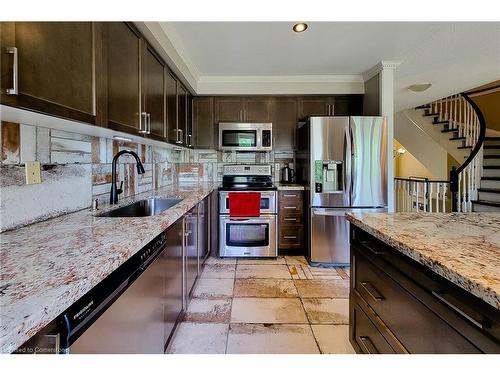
(290, 220)
(400, 306)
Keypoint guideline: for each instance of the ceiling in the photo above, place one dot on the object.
(452, 56)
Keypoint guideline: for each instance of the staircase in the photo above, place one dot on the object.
(489, 186)
(475, 185)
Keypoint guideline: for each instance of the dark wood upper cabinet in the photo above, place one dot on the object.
(203, 122)
(190, 131)
(351, 105)
(123, 49)
(182, 108)
(229, 109)
(284, 123)
(55, 67)
(258, 109)
(153, 82)
(243, 109)
(316, 106)
(173, 135)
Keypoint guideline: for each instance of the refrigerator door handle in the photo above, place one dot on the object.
(329, 212)
(348, 166)
(343, 211)
(353, 160)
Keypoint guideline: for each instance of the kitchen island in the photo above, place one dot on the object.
(48, 266)
(425, 283)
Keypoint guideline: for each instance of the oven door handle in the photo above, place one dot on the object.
(239, 219)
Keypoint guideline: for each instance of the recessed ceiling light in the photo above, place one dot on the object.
(419, 87)
(300, 27)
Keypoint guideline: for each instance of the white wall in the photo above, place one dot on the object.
(421, 145)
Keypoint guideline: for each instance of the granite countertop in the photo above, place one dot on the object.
(464, 248)
(47, 266)
(288, 186)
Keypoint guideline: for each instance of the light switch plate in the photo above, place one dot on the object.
(33, 173)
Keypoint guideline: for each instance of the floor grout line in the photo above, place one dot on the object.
(230, 313)
(309, 321)
(279, 293)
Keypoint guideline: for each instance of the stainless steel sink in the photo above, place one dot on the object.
(145, 207)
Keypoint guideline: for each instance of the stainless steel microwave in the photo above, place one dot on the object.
(245, 136)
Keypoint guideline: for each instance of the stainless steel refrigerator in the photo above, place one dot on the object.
(342, 161)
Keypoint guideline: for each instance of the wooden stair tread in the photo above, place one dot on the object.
(463, 147)
(491, 178)
(491, 156)
(487, 203)
(457, 138)
(489, 190)
(491, 166)
(449, 130)
(492, 147)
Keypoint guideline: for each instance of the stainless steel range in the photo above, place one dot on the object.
(248, 236)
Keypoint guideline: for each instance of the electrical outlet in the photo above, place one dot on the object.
(33, 173)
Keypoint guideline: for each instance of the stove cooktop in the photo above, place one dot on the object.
(247, 188)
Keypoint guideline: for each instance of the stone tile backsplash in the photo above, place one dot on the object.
(76, 169)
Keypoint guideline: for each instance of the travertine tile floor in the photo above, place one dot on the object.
(266, 306)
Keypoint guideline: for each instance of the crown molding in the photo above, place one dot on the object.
(382, 65)
(306, 78)
(281, 85)
(166, 42)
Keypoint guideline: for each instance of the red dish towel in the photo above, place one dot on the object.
(244, 204)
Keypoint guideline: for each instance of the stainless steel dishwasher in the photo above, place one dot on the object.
(134, 310)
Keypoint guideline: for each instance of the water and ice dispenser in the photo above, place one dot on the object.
(328, 176)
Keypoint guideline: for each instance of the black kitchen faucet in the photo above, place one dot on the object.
(113, 195)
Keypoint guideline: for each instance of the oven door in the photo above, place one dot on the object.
(247, 236)
(267, 202)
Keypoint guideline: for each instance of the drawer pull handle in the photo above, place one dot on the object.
(367, 345)
(372, 291)
(290, 208)
(290, 219)
(478, 320)
(372, 250)
(290, 195)
(290, 237)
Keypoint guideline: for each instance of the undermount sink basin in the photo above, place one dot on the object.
(145, 207)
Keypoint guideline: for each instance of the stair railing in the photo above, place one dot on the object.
(421, 195)
(464, 115)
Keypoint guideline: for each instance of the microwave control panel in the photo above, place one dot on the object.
(266, 138)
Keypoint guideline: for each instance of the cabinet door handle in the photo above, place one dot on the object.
(290, 237)
(290, 219)
(148, 118)
(367, 345)
(290, 195)
(15, 71)
(372, 250)
(290, 208)
(145, 119)
(180, 136)
(477, 320)
(372, 291)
